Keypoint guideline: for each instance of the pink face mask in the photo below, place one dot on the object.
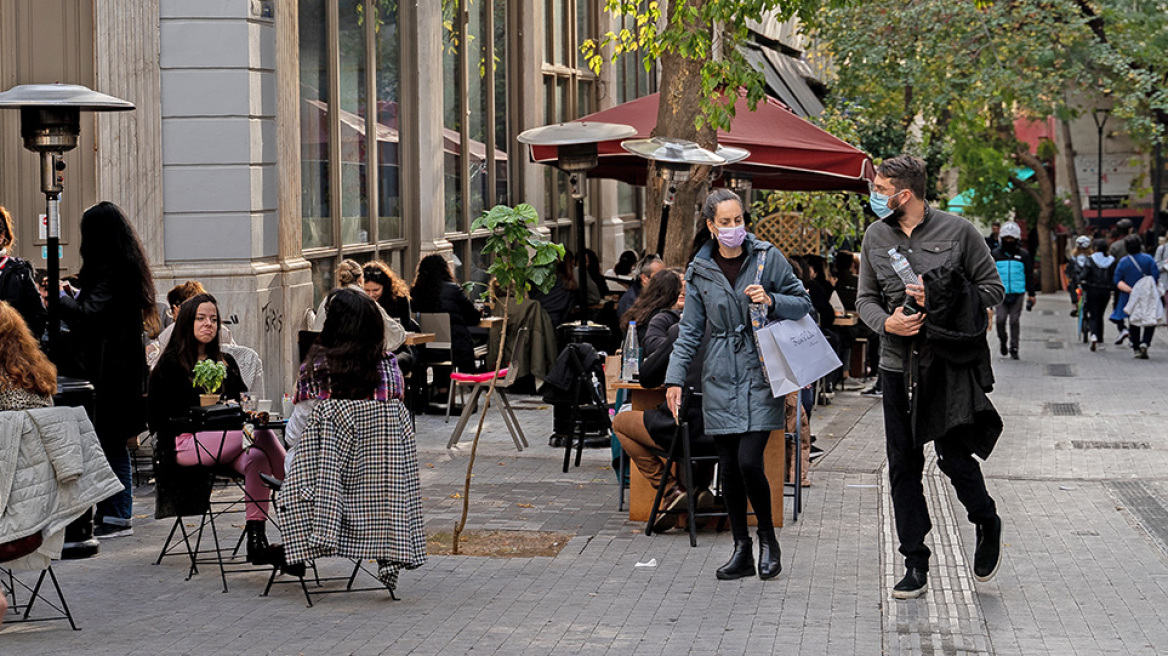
(732, 237)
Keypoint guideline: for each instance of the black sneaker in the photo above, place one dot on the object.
(1003, 349)
(816, 453)
(105, 531)
(1013, 354)
(913, 584)
(988, 555)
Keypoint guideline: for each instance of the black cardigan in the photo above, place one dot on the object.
(463, 315)
(108, 323)
(18, 288)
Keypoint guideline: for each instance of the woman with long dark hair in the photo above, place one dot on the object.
(664, 292)
(172, 394)
(109, 314)
(732, 279)
(389, 291)
(348, 361)
(18, 286)
(435, 291)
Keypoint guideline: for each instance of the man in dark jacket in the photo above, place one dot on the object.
(648, 267)
(929, 240)
(1016, 270)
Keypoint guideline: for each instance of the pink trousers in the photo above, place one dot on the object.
(266, 456)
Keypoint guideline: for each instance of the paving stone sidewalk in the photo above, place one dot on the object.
(1085, 569)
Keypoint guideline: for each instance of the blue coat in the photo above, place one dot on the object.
(737, 397)
(1129, 269)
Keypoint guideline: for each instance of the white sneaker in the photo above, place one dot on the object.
(1123, 334)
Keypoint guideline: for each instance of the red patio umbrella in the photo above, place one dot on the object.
(786, 151)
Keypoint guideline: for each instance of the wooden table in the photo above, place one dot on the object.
(846, 320)
(489, 322)
(414, 339)
(641, 492)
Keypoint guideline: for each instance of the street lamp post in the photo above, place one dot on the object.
(50, 124)
(1100, 118)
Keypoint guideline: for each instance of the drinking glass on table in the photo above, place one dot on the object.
(248, 402)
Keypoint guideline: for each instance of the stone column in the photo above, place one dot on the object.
(421, 126)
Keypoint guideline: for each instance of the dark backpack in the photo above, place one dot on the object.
(1096, 278)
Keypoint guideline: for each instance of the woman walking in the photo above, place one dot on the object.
(1128, 271)
(728, 275)
(1095, 280)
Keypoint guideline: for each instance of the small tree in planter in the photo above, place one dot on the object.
(523, 261)
(209, 376)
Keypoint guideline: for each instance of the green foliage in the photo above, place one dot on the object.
(689, 32)
(1131, 64)
(209, 375)
(522, 259)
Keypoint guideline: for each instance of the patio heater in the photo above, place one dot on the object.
(577, 152)
(50, 124)
(675, 160)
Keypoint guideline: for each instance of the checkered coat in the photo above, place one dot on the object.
(353, 490)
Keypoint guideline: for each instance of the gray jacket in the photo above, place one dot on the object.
(941, 239)
(737, 397)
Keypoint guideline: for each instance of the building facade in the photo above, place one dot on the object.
(274, 138)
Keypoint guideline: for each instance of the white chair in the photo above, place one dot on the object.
(481, 382)
(251, 367)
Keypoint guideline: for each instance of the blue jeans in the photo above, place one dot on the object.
(118, 509)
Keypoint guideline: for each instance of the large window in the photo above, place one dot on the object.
(476, 131)
(349, 116)
(569, 93)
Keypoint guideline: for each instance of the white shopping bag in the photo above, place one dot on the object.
(795, 354)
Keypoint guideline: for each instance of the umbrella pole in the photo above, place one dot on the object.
(579, 180)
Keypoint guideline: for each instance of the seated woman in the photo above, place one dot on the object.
(435, 291)
(660, 307)
(350, 362)
(174, 300)
(350, 274)
(563, 298)
(172, 394)
(392, 293)
(338, 363)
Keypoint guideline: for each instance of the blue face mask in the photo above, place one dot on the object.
(879, 204)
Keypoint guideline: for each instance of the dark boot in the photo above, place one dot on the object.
(258, 549)
(741, 563)
(769, 555)
(1002, 347)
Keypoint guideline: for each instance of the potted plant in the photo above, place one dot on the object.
(209, 377)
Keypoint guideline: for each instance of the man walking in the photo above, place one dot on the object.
(929, 240)
(1016, 270)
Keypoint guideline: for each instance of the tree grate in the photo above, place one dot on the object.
(1060, 370)
(1050, 331)
(1055, 345)
(1048, 313)
(1110, 446)
(1064, 409)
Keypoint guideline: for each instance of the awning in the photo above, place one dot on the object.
(958, 203)
(786, 152)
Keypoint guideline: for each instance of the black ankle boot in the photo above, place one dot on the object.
(741, 563)
(258, 549)
(769, 555)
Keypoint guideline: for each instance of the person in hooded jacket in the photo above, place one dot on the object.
(727, 276)
(1095, 280)
(1074, 270)
(1017, 272)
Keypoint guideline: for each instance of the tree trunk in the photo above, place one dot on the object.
(1073, 177)
(1048, 268)
(681, 86)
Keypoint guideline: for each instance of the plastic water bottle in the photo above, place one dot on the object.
(631, 356)
(903, 269)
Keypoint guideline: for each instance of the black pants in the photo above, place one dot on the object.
(744, 475)
(906, 464)
(1141, 336)
(1095, 305)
